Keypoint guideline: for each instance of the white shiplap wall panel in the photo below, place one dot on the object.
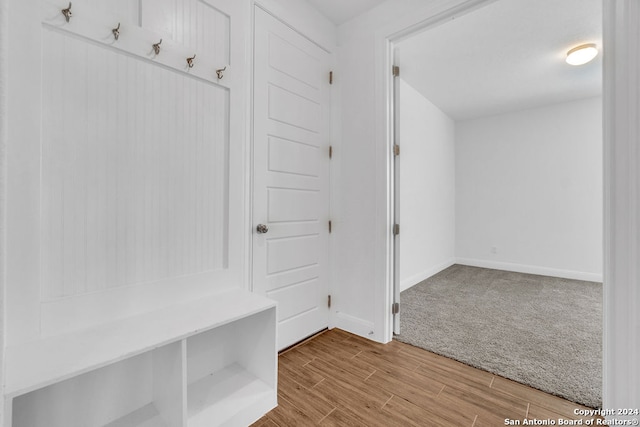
(127, 11)
(134, 170)
(192, 23)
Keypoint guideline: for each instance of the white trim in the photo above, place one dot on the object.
(410, 282)
(530, 269)
(249, 176)
(335, 126)
(353, 324)
(247, 139)
(3, 179)
(384, 246)
(621, 371)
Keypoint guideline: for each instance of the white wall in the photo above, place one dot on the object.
(529, 188)
(353, 242)
(363, 236)
(427, 188)
(528, 184)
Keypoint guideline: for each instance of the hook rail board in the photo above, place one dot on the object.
(112, 33)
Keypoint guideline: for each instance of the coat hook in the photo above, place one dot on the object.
(67, 12)
(190, 60)
(116, 32)
(156, 47)
(219, 72)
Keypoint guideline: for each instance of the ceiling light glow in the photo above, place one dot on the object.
(582, 54)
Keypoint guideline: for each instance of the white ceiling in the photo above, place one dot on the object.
(340, 11)
(506, 56)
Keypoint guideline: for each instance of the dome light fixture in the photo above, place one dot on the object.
(582, 54)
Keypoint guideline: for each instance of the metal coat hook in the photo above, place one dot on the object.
(190, 61)
(156, 47)
(116, 32)
(67, 12)
(219, 72)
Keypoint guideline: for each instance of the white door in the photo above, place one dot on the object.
(291, 177)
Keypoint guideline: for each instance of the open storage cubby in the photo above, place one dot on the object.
(224, 382)
(212, 362)
(143, 387)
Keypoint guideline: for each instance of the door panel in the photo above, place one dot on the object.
(293, 157)
(294, 110)
(293, 205)
(286, 278)
(291, 177)
(296, 298)
(292, 253)
(293, 61)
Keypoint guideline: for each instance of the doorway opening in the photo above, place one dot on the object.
(501, 148)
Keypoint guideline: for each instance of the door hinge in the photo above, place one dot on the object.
(329, 226)
(396, 150)
(329, 301)
(396, 229)
(395, 70)
(331, 151)
(330, 77)
(395, 308)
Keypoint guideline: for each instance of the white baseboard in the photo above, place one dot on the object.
(353, 324)
(531, 269)
(408, 282)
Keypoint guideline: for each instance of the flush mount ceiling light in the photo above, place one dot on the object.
(582, 54)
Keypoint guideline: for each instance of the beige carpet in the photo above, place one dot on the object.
(542, 331)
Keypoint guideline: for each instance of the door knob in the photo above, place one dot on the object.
(262, 228)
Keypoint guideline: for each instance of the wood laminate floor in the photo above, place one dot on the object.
(340, 379)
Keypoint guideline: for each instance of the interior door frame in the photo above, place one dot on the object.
(620, 133)
(385, 60)
(395, 196)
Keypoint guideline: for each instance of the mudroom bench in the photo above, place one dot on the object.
(208, 362)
